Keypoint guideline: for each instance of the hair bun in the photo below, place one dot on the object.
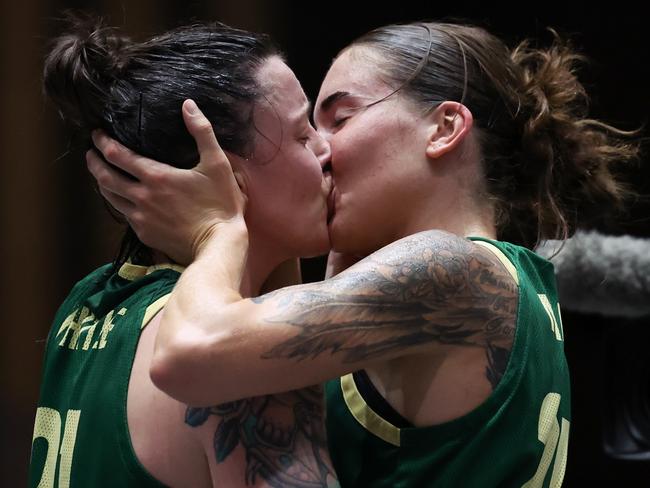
(81, 67)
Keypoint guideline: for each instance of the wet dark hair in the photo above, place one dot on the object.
(98, 78)
(546, 164)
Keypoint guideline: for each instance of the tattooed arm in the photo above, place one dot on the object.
(271, 441)
(420, 293)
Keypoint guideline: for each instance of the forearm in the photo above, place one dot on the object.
(197, 314)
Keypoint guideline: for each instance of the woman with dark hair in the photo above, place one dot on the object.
(451, 156)
(100, 420)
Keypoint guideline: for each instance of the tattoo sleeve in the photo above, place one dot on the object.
(429, 288)
(283, 437)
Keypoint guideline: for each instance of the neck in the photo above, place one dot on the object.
(262, 260)
(462, 205)
(460, 216)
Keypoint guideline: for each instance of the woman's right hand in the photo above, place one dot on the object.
(170, 209)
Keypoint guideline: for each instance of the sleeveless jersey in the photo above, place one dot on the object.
(518, 437)
(81, 437)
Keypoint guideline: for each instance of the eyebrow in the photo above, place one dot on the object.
(331, 99)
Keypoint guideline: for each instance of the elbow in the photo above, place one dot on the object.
(175, 368)
(161, 371)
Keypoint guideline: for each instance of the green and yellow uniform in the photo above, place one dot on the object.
(517, 438)
(81, 437)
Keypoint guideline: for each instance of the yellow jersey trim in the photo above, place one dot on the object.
(153, 309)
(174, 267)
(131, 272)
(502, 257)
(366, 416)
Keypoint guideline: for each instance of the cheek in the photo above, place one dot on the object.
(303, 171)
(344, 147)
(354, 153)
(371, 145)
(290, 181)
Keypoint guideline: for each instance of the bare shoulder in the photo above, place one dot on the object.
(455, 279)
(443, 249)
(156, 424)
(440, 270)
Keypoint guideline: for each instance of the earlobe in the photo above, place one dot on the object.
(452, 122)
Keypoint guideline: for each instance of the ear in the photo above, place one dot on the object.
(450, 123)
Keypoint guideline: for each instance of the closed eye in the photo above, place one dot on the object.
(338, 122)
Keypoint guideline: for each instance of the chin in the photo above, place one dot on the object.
(354, 240)
(316, 244)
(347, 242)
(323, 246)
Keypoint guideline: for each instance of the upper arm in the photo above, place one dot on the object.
(266, 441)
(424, 291)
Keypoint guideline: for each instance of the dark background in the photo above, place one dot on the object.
(55, 230)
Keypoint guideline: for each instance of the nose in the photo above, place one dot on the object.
(322, 150)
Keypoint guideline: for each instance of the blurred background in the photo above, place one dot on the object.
(55, 229)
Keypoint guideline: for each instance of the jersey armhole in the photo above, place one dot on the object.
(153, 309)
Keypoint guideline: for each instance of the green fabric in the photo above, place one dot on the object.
(498, 443)
(88, 359)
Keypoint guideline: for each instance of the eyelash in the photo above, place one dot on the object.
(338, 122)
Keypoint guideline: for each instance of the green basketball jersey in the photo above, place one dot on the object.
(517, 438)
(81, 437)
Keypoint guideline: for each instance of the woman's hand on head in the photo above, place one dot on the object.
(170, 209)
